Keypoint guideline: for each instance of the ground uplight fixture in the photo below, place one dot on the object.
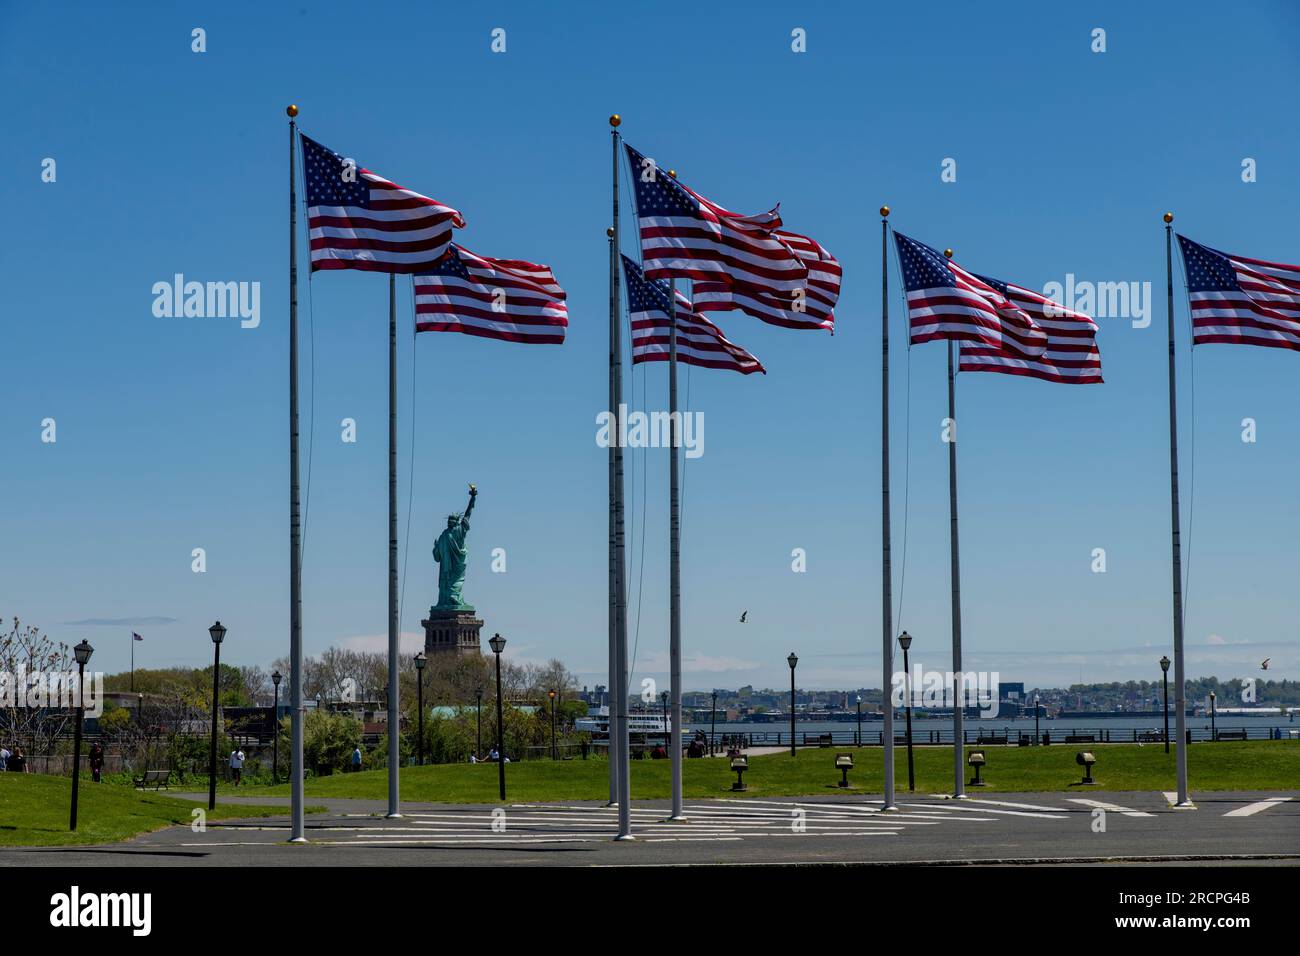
(739, 765)
(1085, 759)
(976, 763)
(844, 763)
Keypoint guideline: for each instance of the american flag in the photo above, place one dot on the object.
(1241, 301)
(699, 341)
(816, 303)
(1071, 356)
(136, 637)
(944, 301)
(494, 298)
(685, 236)
(359, 220)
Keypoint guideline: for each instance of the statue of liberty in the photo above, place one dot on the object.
(451, 554)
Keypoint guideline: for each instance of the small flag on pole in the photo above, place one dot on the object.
(944, 301)
(685, 236)
(136, 637)
(811, 307)
(359, 220)
(1071, 356)
(699, 341)
(493, 298)
(1241, 301)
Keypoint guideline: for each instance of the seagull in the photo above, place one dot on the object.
(1262, 666)
(743, 613)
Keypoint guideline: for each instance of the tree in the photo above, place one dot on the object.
(24, 653)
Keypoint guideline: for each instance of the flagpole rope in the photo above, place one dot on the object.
(410, 481)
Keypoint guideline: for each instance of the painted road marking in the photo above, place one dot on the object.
(1110, 807)
(1250, 809)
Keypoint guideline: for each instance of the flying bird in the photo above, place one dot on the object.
(1264, 665)
(744, 613)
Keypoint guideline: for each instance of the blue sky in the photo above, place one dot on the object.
(172, 431)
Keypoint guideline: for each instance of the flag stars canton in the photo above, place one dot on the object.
(1207, 270)
(325, 183)
(450, 265)
(923, 267)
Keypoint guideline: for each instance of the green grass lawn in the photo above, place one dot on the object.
(1228, 765)
(34, 811)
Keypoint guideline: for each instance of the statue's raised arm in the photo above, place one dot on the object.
(473, 496)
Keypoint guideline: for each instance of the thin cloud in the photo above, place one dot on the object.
(122, 622)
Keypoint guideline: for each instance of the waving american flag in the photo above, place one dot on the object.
(699, 341)
(685, 236)
(811, 307)
(1071, 356)
(1241, 301)
(359, 220)
(494, 298)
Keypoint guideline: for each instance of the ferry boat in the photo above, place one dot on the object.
(648, 723)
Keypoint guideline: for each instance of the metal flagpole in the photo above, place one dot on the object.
(674, 560)
(1180, 685)
(613, 577)
(394, 710)
(887, 575)
(618, 720)
(133, 662)
(295, 526)
(958, 682)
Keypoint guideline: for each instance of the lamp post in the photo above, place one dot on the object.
(218, 634)
(82, 653)
(1214, 734)
(498, 644)
(551, 694)
(664, 699)
(713, 721)
(905, 641)
(478, 732)
(1164, 669)
(275, 722)
(419, 703)
(1037, 739)
(792, 660)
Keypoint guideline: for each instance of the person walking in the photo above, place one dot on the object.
(356, 759)
(4, 759)
(96, 761)
(237, 765)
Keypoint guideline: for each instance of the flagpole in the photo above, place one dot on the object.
(394, 710)
(133, 662)
(620, 554)
(614, 435)
(1180, 685)
(295, 526)
(958, 682)
(674, 562)
(887, 572)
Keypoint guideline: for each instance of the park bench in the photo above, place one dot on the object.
(1231, 734)
(1081, 739)
(1150, 737)
(991, 739)
(158, 778)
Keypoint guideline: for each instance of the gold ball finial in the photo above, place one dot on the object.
(948, 253)
(1169, 217)
(884, 212)
(615, 119)
(610, 232)
(672, 173)
(292, 110)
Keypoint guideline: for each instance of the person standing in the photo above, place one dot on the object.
(17, 762)
(237, 764)
(4, 759)
(96, 761)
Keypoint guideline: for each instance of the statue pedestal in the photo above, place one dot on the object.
(452, 631)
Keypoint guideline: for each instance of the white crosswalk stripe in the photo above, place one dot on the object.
(1250, 809)
(725, 819)
(1110, 807)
